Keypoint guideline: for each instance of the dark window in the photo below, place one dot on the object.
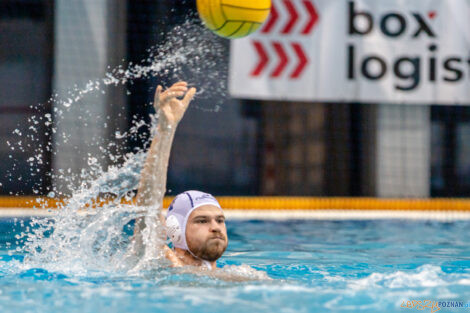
(25, 86)
(450, 174)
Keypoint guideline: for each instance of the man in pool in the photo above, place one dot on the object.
(195, 222)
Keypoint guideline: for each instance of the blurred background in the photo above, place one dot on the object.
(247, 147)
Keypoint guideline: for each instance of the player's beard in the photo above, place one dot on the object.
(211, 250)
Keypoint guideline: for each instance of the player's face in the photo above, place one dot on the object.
(206, 234)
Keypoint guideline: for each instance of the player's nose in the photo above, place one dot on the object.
(215, 227)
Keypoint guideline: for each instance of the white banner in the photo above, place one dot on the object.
(389, 51)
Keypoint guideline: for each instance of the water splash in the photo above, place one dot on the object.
(83, 237)
(190, 53)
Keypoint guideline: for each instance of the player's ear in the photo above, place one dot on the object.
(173, 230)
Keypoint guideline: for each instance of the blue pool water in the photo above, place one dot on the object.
(316, 266)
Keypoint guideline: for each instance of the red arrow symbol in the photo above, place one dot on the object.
(272, 20)
(293, 17)
(313, 17)
(303, 61)
(263, 58)
(282, 60)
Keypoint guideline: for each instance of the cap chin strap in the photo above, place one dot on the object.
(207, 264)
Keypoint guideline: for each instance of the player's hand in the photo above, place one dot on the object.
(173, 102)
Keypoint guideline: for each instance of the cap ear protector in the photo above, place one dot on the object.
(173, 230)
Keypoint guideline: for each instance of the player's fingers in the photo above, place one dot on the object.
(180, 83)
(178, 88)
(156, 98)
(170, 94)
(179, 93)
(189, 96)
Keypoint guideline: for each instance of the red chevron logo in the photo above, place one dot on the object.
(263, 59)
(313, 17)
(303, 61)
(287, 8)
(273, 16)
(293, 17)
(282, 60)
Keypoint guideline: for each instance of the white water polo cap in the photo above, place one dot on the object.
(179, 211)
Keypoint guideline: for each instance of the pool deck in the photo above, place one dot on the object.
(233, 214)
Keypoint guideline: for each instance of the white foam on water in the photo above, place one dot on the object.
(385, 290)
(244, 271)
(277, 287)
(201, 297)
(426, 276)
(464, 282)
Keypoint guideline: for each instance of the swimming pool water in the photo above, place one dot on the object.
(316, 266)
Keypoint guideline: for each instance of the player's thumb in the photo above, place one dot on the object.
(156, 98)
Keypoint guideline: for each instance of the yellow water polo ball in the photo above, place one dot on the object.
(233, 18)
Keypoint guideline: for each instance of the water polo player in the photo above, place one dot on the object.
(195, 221)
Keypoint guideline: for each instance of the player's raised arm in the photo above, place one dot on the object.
(170, 106)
